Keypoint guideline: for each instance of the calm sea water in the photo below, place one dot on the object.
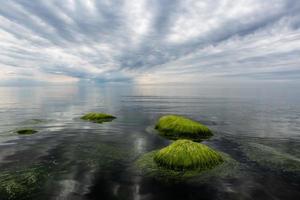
(258, 126)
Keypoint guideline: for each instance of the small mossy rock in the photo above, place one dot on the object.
(187, 155)
(178, 127)
(98, 117)
(26, 131)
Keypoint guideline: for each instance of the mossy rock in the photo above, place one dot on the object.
(98, 117)
(185, 154)
(26, 131)
(147, 167)
(178, 127)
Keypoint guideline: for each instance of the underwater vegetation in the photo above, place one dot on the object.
(98, 117)
(43, 179)
(271, 158)
(100, 155)
(26, 131)
(23, 184)
(178, 127)
(185, 154)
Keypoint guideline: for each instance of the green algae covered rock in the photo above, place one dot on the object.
(185, 155)
(98, 117)
(178, 127)
(187, 160)
(26, 131)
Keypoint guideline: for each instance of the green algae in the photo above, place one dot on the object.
(271, 158)
(185, 154)
(22, 184)
(147, 167)
(179, 127)
(98, 117)
(28, 131)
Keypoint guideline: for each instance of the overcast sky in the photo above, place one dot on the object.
(149, 41)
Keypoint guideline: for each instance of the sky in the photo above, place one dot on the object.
(149, 41)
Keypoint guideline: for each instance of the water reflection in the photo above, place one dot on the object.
(91, 161)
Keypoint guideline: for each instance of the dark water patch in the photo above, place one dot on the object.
(34, 121)
(153, 189)
(26, 131)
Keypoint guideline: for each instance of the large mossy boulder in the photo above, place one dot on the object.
(178, 127)
(98, 117)
(187, 155)
(199, 164)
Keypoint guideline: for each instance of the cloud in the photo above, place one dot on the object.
(149, 41)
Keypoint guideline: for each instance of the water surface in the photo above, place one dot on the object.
(85, 160)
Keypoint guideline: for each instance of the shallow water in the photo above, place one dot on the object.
(258, 127)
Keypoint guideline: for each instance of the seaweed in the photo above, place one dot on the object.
(22, 184)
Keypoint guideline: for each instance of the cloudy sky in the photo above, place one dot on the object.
(149, 41)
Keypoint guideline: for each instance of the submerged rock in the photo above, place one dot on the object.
(26, 131)
(271, 158)
(178, 127)
(185, 155)
(34, 121)
(98, 117)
